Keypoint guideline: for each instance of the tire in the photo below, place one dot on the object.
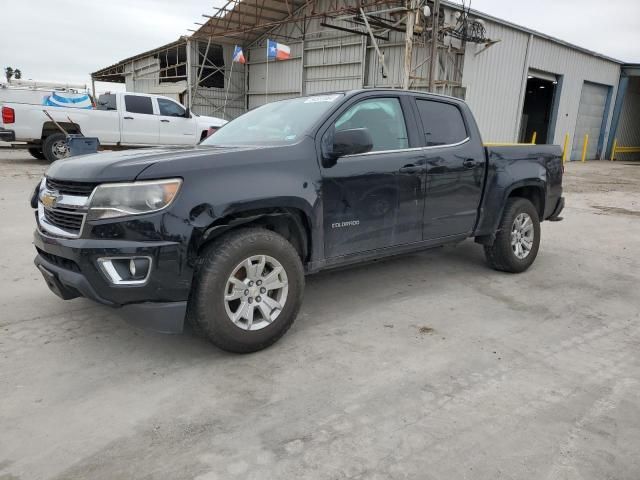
(217, 274)
(51, 147)
(36, 153)
(505, 256)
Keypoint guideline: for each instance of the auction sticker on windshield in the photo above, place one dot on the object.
(322, 98)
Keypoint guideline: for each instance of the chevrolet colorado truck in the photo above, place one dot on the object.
(222, 234)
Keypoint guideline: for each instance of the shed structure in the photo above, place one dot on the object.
(518, 82)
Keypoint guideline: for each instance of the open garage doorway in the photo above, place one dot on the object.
(538, 111)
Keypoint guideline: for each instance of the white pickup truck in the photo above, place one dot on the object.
(119, 120)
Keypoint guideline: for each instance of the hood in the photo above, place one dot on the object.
(207, 122)
(126, 165)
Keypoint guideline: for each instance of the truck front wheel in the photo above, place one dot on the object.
(247, 290)
(54, 147)
(518, 238)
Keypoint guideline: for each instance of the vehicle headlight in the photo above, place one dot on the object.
(112, 200)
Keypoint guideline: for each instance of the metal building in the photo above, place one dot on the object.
(519, 82)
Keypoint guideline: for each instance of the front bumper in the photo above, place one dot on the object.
(555, 215)
(7, 135)
(70, 269)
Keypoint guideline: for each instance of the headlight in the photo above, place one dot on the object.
(113, 200)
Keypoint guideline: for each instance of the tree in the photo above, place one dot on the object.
(8, 72)
(17, 74)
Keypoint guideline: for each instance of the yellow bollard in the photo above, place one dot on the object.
(613, 150)
(533, 137)
(564, 149)
(584, 147)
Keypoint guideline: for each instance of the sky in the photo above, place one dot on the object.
(65, 40)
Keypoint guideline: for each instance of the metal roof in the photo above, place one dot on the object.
(245, 21)
(115, 72)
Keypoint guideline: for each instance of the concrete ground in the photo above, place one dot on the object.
(428, 366)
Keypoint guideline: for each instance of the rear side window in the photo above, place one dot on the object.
(107, 102)
(442, 123)
(170, 109)
(137, 104)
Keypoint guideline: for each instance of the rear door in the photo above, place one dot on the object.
(175, 127)
(140, 126)
(455, 169)
(374, 200)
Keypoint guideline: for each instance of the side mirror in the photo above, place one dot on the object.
(187, 113)
(348, 142)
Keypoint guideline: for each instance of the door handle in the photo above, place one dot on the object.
(411, 168)
(164, 120)
(127, 118)
(469, 163)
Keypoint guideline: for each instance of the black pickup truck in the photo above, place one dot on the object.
(222, 234)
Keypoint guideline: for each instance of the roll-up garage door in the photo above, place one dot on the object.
(593, 101)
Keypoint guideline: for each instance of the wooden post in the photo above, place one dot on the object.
(435, 15)
(564, 149)
(408, 42)
(584, 147)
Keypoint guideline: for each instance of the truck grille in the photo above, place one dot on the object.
(65, 219)
(71, 188)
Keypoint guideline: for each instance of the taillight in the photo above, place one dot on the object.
(8, 115)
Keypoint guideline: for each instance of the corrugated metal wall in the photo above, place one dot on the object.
(628, 133)
(211, 101)
(142, 75)
(495, 80)
(576, 67)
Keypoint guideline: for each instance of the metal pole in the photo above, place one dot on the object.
(226, 93)
(434, 45)
(189, 74)
(266, 80)
(408, 43)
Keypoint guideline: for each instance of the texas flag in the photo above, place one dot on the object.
(238, 55)
(277, 51)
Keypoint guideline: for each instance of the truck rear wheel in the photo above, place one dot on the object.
(247, 290)
(54, 147)
(518, 238)
(36, 153)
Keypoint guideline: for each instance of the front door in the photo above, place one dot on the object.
(175, 128)
(455, 170)
(374, 200)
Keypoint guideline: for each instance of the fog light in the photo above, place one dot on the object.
(126, 270)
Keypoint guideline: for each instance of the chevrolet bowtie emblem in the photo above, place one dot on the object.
(49, 199)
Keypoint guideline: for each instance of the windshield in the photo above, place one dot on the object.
(278, 123)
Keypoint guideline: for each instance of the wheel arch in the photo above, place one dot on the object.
(290, 222)
(49, 128)
(532, 189)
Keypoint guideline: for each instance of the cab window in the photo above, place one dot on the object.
(170, 109)
(106, 101)
(384, 120)
(442, 123)
(138, 104)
